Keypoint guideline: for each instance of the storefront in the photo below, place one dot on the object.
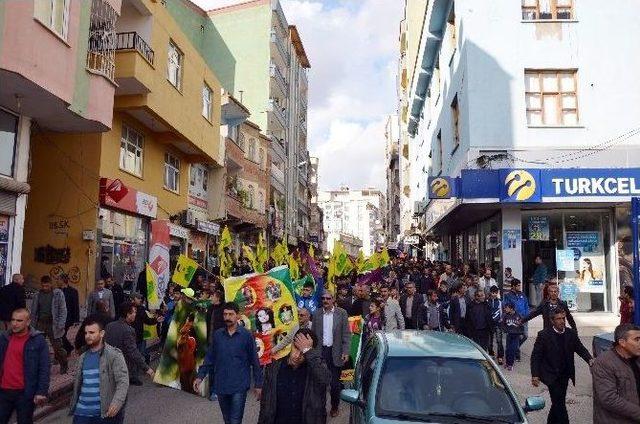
(576, 220)
(177, 243)
(123, 231)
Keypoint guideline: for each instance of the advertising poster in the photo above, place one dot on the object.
(267, 308)
(569, 293)
(511, 239)
(565, 260)
(539, 228)
(589, 260)
(185, 347)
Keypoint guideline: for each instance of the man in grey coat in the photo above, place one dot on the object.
(121, 334)
(392, 311)
(105, 296)
(616, 379)
(49, 313)
(331, 325)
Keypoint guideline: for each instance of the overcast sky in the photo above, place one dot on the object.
(352, 46)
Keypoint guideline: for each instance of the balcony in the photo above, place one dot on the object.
(134, 64)
(276, 39)
(279, 112)
(280, 80)
(277, 173)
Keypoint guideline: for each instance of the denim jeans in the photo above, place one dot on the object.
(513, 344)
(232, 407)
(14, 400)
(496, 335)
(537, 291)
(523, 338)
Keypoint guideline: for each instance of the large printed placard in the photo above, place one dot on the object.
(589, 259)
(267, 308)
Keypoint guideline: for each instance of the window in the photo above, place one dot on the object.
(261, 158)
(171, 172)
(207, 99)
(440, 159)
(8, 141)
(533, 10)
(455, 116)
(174, 69)
(252, 196)
(551, 97)
(251, 154)
(54, 14)
(131, 150)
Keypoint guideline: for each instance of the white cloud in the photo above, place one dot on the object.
(352, 46)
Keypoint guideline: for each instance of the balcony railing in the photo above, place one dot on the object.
(133, 41)
(275, 38)
(277, 173)
(279, 111)
(277, 75)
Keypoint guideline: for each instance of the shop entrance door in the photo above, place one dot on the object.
(531, 249)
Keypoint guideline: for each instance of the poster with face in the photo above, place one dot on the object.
(589, 260)
(267, 308)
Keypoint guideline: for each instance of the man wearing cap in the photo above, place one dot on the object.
(616, 379)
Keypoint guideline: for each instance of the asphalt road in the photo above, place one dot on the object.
(152, 403)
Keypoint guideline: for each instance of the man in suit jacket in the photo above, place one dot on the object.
(552, 363)
(101, 293)
(331, 324)
(458, 309)
(392, 313)
(410, 304)
(548, 307)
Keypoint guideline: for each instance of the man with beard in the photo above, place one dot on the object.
(296, 386)
(230, 360)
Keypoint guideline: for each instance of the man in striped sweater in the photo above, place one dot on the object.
(98, 397)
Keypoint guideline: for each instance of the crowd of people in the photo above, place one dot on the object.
(410, 294)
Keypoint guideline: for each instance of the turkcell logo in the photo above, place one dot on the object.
(519, 185)
(440, 187)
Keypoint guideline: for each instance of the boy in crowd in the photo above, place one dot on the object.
(512, 327)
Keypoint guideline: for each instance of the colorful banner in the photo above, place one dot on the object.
(153, 298)
(185, 270)
(309, 298)
(356, 326)
(539, 228)
(159, 255)
(185, 347)
(267, 308)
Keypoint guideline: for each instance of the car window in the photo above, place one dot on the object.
(368, 351)
(431, 387)
(368, 366)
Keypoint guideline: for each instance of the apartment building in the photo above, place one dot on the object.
(268, 74)
(107, 203)
(392, 166)
(316, 219)
(356, 213)
(55, 79)
(521, 141)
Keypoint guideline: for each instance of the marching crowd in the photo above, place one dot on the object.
(411, 294)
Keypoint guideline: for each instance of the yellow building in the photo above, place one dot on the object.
(96, 197)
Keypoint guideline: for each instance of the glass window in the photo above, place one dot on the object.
(551, 98)
(547, 9)
(54, 14)
(207, 99)
(131, 151)
(171, 172)
(426, 388)
(8, 141)
(174, 67)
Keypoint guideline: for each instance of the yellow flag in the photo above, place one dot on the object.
(248, 253)
(185, 270)
(261, 254)
(225, 237)
(384, 257)
(294, 268)
(360, 261)
(312, 251)
(153, 299)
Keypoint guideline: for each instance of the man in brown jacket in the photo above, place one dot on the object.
(616, 379)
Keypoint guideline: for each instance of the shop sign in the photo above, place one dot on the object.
(113, 193)
(208, 227)
(548, 185)
(415, 239)
(441, 187)
(539, 228)
(197, 202)
(178, 231)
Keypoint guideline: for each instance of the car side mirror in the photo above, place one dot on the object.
(534, 403)
(352, 396)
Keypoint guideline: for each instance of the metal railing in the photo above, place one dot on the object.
(279, 111)
(280, 79)
(133, 41)
(275, 38)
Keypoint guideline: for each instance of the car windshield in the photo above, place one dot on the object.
(431, 387)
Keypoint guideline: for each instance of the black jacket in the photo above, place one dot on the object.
(455, 315)
(141, 319)
(479, 317)
(73, 305)
(118, 296)
(121, 335)
(12, 297)
(544, 309)
(315, 392)
(359, 307)
(418, 299)
(546, 357)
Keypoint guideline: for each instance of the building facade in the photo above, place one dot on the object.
(356, 213)
(519, 145)
(392, 162)
(316, 220)
(107, 203)
(268, 74)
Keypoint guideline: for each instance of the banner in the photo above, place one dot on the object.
(185, 270)
(185, 347)
(310, 297)
(589, 260)
(153, 297)
(159, 255)
(539, 228)
(267, 308)
(355, 325)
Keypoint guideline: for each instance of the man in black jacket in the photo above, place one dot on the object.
(410, 304)
(138, 324)
(479, 322)
(73, 310)
(12, 297)
(548, 307)
(552, 363)
(458, 309)
(295, 387)
(121, 334)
